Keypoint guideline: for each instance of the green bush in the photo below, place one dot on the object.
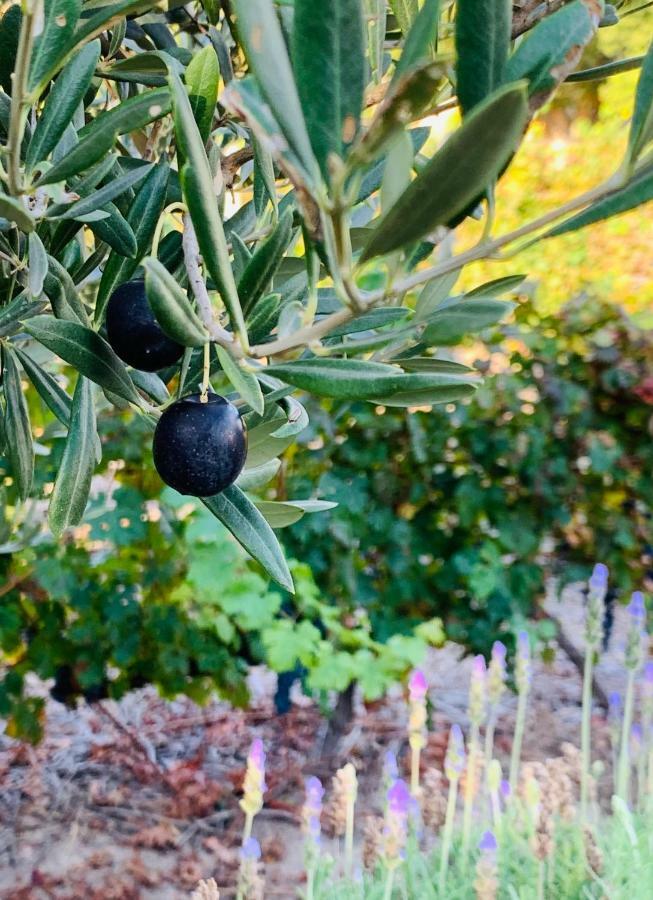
(462, 513)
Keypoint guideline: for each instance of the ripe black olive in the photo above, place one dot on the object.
(200, 448)
(135, 334)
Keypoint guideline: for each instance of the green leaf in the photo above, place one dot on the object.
(245, 522)
(427, 391)
(17, 426)
(280, 515)
(15, 312)
(430, 364)
(350, 379)
(263, 317)
(260, 34)
(202, 78)
(245, 382)
(405, 12)
(98, 137)
(143, 216)
(264, 263)
(199, 193)
(48, 389)
(38, 264)
(483, 30)
(637, 191)
(329, 63)
(12, 209)
(450, 324)
(9, 32)
(641, 128)
(505, 285)
(86, 351)
(420, 40)
(262, 447)
(171, 306)
(59, 21)
(258, 477)
(241, 253)
(116, 231)
(62, 293)
(73, 482)
(62, 101)
(459, 172)
(433, 293)
(99, 198)
(550, 44)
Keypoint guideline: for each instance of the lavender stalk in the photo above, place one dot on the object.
(598, 585)
(633, 661)
(523, 673)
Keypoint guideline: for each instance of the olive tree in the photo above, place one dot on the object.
(209, 210)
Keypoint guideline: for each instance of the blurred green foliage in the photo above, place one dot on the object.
(462, 512)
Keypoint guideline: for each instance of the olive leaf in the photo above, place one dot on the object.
(260, 34)
(329, 64)
(281, 514)
(86, 351)
(245, 382)
(18, 430)
(263, 264)
(38, 264)
(239, 515)
(98, 137)
(420, 40)
(73, 482)
(101, 197)
(48, 389)
(483, 30)
(202, 78)
(459, 172)
(62, 101)
(115, 231)
(171, 306)
(353, 379)
(449, 324)
(59, 21)
(200, 196)
(635, 192)
(641, 128)
(9, 32)
(12, 209)
(143, 216)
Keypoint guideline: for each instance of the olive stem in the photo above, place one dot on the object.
(206, 372)
(173, 207)
(192, 260)
(19, 105)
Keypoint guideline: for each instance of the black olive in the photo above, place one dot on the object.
(200, 448)
(135, 334)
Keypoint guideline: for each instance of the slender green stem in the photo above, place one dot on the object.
(518, 738)
(470, 784)
(586, 735)
(447, 832)
(349, 839)
(19, 105)
(623, 777)
(389, 883)
(488, 750)
(541, 879)
(414, 770)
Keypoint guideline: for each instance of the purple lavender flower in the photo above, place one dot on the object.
(417, 686)
(599, 577)
(251, 849)
(648, 673)
(257, 755)
(488, 843)
(312, 811)
(477, 690)
(637, 609)
(499, 651)
(399, 798)
(390, 767)
(395, 830)
(496, 673)
(505, 789)
(614, 707)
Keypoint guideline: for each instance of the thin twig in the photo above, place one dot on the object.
(192, 259)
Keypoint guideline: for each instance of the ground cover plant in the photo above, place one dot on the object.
(478, 828)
